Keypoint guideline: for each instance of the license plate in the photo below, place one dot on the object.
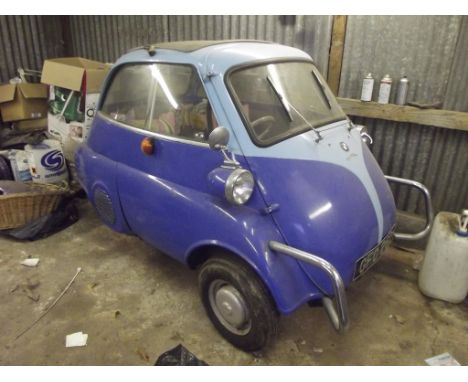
(371, 257)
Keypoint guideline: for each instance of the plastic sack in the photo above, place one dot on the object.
(179, 356)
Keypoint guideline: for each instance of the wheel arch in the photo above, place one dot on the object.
(282, 276)
(201, 252)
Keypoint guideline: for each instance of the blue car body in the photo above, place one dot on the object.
(328, 198)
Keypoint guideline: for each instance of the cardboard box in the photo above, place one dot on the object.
(30, 125)
(84, 77)
(23, 101)
(72, 133)
(75, 73)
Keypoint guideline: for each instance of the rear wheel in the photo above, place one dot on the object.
(237, 302)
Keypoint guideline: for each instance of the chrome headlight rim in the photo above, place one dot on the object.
(231, 183)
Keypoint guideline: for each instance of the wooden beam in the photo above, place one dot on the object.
(430, 117)
(336, 52)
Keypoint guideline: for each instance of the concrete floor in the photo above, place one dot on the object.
(135, 303)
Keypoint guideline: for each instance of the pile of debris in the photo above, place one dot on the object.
(42, 124)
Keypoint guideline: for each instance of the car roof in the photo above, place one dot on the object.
(212, 56)
(193, 45)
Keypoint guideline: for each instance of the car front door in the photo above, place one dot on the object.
(162, 116)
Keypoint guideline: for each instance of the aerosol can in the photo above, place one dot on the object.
(402, 92)
(385, 88)
(367, 88)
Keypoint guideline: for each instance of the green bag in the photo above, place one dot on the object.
(73, 110)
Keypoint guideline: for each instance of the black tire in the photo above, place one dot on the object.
(261, 311)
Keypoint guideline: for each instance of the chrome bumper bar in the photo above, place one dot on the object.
(337, 310)
(427, 202)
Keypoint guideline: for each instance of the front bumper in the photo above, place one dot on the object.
(337, 310)
(337, 307)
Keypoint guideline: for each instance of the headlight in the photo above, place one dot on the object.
(239, 186)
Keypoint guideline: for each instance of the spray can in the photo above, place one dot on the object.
(402, 92)
(385, 87)
(367, 88)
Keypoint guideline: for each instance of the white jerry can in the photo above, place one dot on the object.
(46, 162)
(444, 272)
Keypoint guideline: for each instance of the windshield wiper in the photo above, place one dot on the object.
(281, 98)
(322, 89)
(286, 105)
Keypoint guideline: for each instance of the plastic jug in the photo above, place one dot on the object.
(444, 272)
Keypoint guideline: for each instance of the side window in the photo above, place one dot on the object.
(127, 99)
(180, 106)
(166, 99)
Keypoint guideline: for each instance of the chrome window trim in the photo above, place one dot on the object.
(100, 114)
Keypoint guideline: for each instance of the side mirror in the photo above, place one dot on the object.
(218, 138)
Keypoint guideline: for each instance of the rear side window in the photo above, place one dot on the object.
(127, 99)
(166, 99)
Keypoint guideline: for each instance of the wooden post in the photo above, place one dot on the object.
(336, 52)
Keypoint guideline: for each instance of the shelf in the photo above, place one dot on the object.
(391, 112)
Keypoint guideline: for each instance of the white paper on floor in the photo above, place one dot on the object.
(444, 359)
(30, 262)
(76, 339)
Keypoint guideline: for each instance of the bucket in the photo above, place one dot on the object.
(444, 272)
(46, 162)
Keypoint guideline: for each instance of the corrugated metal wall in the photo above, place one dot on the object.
(26, 41)
(435, 156)
(309, 33)
(433, 52)
(105, 38)
(457, 97)
(420, 47)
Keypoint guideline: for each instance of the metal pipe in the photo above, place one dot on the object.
(337, 311)
(427, 201)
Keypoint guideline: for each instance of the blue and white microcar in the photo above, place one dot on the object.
(235, 158)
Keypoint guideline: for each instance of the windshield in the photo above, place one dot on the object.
(279, 100)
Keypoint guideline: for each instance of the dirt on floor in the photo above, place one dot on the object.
(136, 303)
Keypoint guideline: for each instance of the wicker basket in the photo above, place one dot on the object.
(19, 209)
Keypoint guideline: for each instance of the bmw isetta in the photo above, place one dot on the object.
(235, 158)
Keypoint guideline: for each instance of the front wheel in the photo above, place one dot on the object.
(238, 303)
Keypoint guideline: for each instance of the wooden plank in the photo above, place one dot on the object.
(430, 117)
(336, 52)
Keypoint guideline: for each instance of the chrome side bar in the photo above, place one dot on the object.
(427, 201)
(337, 310)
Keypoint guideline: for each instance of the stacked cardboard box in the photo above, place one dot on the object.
(75, 84)
(64, 104)
(24, 105)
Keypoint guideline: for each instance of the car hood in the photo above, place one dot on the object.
(332, 197)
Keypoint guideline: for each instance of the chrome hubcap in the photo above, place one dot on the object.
(229, 307)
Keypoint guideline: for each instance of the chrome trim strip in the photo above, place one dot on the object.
(337, 310)
(152, 133)
(427, 201)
